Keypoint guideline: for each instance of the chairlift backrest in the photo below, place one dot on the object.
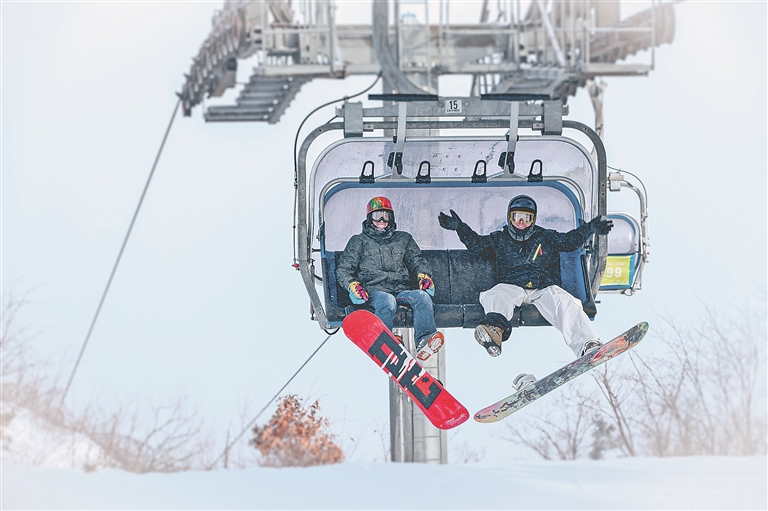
(481, 206)
(562, 158)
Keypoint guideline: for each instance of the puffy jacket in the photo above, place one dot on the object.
(533, 263)
(388, 262)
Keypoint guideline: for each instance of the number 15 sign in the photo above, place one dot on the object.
(453, 106)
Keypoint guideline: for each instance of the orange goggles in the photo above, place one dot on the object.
(517, 216)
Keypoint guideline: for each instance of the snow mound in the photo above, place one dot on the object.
(628, 483)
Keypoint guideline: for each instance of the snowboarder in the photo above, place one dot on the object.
(527, 265)
(376, 268)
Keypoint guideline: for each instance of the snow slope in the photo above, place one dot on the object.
(639, 483)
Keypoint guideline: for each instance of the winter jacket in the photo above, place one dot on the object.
(388, 262)
(533, 263)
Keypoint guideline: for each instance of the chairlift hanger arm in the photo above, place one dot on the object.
(305, 261)
(601, 241)
(618, 182)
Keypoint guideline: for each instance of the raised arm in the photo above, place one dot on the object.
(574, 239)
(475, 243)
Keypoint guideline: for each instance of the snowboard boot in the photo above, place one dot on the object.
(523, 380)
(489, 337)
(590, 346)
(429, 346)
(493, 329)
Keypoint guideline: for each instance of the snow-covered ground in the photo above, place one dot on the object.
(639, 483)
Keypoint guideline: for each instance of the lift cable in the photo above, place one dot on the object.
(120, 254)
(296, 162)
(253, 421)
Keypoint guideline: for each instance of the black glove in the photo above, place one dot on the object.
(449, 222)
(600, 225)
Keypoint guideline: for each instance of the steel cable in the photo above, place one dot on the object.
(253, 421)
(120, 254)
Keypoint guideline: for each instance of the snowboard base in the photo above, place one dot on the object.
(531, 393)
(368, 332)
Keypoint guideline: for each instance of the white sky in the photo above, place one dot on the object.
(205, 302)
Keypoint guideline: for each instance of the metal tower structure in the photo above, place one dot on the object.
(538, 47)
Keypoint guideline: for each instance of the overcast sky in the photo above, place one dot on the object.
(205, 302)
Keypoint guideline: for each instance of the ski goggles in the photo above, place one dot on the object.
(381, 216)
(517, 216)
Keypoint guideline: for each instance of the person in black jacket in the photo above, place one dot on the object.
(527, 266)
(376, 268)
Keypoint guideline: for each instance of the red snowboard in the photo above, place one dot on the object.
(371, 336)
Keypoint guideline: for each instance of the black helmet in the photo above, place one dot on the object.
(521, 203)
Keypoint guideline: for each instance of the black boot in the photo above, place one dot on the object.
(492, 331)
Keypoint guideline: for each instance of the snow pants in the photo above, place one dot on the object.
(555, 304)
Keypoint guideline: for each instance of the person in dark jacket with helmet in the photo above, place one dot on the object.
(526, 258)
(376, 268)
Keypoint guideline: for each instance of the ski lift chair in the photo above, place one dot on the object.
(625, 255)
(419, 197)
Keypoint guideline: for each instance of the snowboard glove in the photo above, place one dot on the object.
(426, 284)
(449, 222)
(600, 225)
(357, 293)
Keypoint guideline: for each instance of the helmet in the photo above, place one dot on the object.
(522, 204)
(380, 204)
(377, 204)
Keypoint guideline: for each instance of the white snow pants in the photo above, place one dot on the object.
(555, 304)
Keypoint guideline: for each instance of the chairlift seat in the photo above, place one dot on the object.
(459, 278)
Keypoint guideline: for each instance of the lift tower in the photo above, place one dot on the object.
(551, 48)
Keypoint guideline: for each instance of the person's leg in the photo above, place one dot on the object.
(565, 312)
(423, 314)
(384, 306)
(502, 298)
(499, 304)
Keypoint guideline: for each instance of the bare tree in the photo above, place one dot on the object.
(463, 452)
(382, 430)
(164, 438)
(560, 430)
(705, 393)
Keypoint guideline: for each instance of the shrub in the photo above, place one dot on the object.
(296, 436)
